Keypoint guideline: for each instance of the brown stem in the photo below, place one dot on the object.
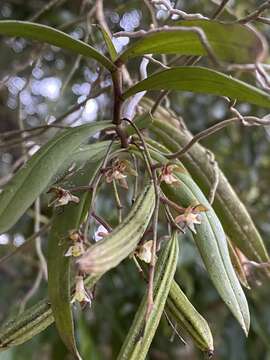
(172, 204)
(101, 221)
(118, 102)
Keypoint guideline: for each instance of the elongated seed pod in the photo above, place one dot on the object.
(109, 252)
(21, 328)
(184, 315)
(235, 218)
(140, 335)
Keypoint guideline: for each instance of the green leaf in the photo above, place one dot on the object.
(201, 80)
(29, 182)
(230, 42)
(54, 37)
(210, 240)
(232, 213)
(108, 41)
(83, 155)
(66, 219)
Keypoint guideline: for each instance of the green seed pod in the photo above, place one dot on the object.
(140, 335)
(21, 328)
(184, 315)
(109, 252)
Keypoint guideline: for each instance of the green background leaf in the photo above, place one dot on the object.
(54, 37)
(66, 219)
(230, 42)
(28, 183)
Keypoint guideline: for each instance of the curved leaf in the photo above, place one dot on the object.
(108, 41)
(234, 217)
(211, 242)
(54, 37)
(66, 219)
(28, 183)
(201, 80)
(230, 42)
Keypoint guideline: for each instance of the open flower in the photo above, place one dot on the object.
(80, 294)
(78, 246)
(191, 217)
(76, 250)
(119, 170)
(167, 174)
(63, 197)
(144, 252)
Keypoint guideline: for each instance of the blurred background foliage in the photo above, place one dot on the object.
(39, 83)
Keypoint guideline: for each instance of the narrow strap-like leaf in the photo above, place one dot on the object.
(67, 219)
(52, 36)
(232, 213)
(230, 42)
(201, 80)
(108, 41)
(28, 183)
(211, 242)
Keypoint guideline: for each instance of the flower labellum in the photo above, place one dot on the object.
(191, 217)
(80, 294)
(63, 197)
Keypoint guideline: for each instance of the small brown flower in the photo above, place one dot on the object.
(78, 246)
(191, 217)
(76, 250)
(63, 197)
(167, 174)
(144, 251)
(119, 171)
(81, 294)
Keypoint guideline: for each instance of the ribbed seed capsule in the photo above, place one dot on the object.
(109, 252)
(184, 315)
(140, 335)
